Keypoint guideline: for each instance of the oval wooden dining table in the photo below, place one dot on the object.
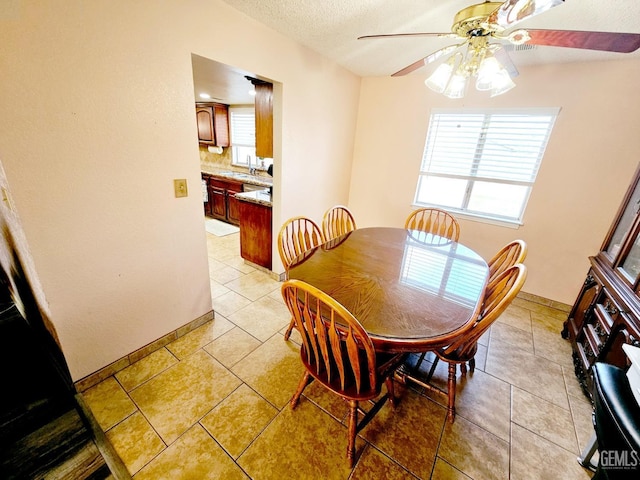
(412, 291)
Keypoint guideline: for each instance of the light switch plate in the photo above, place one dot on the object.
(180, 187)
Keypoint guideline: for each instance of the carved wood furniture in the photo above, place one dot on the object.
(498, 296)
(434, 220)
(511, 254)
(338, 353)
(297, 236)
(410, 292)
(337, 221)
(606, 313)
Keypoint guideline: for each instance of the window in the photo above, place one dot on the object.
(243, 136)
(483, 163)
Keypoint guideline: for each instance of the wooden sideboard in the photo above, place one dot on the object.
(606, 313)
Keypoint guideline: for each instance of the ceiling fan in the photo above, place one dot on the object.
(480, 24)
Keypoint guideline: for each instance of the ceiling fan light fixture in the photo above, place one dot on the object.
(502, 83)
(439, 79)
(457, 86)
(487, 73)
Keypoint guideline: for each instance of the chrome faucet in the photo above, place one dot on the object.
(252, 170)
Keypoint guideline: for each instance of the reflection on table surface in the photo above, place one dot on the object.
(409, 289)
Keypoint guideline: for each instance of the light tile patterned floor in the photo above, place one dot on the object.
(213, 404)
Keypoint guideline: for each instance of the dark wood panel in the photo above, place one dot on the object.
(213, 124)
(43, 431)
(264, 120)
(221, 124)
(255, 233)
(204, 116)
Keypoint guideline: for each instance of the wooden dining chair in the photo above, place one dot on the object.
(337, 221)
(499, 294)
(337, 352)
(297, 235)
(435, 221)
(512, 253)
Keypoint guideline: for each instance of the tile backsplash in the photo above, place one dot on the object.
(209, 161)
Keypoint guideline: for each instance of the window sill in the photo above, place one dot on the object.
(477, 218)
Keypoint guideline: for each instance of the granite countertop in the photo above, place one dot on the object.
(261, 180)
(261, 197)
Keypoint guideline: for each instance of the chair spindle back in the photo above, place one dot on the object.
(512, 253)
(337, 221)
(435, 221)
(297, 235)
(499, 294)
(336, 349)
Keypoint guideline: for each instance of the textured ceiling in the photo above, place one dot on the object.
(331, 27)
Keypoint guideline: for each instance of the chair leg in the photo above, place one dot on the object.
(451, 386)
(463, 369)
(353, 422)
(289, 329)
(391, 390)
(472, 364)
(433, 368)
(304, 381)
(419, 362)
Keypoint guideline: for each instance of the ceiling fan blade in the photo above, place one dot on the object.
(504, 58)
(605, 41)
(417, 34)
(515, 11)
(427, 60)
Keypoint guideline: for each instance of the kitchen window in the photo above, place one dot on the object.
(243, 136)
(483, 163)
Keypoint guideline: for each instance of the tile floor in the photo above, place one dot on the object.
(213, 404)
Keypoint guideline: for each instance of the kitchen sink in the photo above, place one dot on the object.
(246, 178)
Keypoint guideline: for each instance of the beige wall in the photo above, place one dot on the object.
(97, 119)
(592, 154)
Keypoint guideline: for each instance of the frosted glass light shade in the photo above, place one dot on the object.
(487, 73)
(502, 83)
(440, 77)
(457, 86)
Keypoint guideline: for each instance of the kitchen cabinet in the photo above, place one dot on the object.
(213, 124)
(255, 233)
(224, 205)
(264, 119)
(606, 313)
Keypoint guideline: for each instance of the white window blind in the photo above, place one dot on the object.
(243, 127)
(483, 162)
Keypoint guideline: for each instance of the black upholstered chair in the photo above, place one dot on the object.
(617, 424)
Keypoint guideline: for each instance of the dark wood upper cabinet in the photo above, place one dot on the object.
(213, 124)
(264, 119)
